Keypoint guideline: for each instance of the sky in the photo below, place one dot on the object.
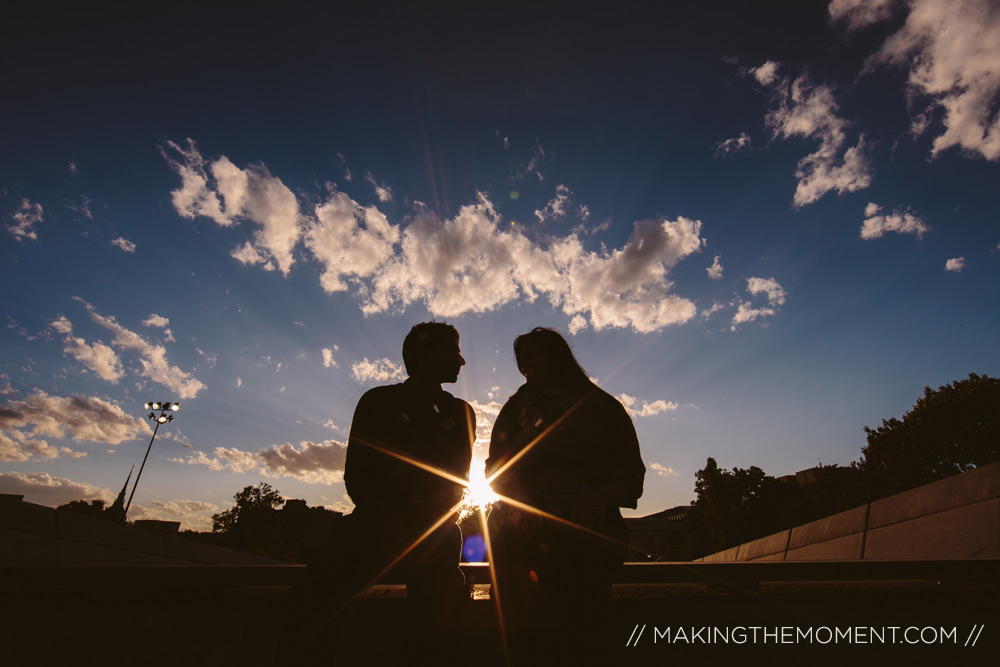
(762, 226)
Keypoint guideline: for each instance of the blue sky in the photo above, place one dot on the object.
(762, 227)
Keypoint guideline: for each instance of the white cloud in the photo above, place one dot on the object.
(124, 244)
(233, 194)
(469, 263)
(232, 459)
(178, 437)
(382, 191)
(486, 415)
(153, 358)
(330, 425)
(662, 470)
(155, 320)
(955, 264)
(194, 198)
(715, 271)
(712, 310)
(328, 360)
(767, 73)
(732, 146)
(25, 218)
(380, 370)
(860, 13)
(98, 357)
(43, 489)
(239, 382)
(876, 224)
(560, 206)
(769, 287)
(83, 209)
(536, 161)
(577, 324)
(640, 408)
(349, 240)
(24, 422)
(314, 463)
(952, 51)
(800, 108)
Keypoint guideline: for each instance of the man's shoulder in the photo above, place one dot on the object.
(383, 391)
(454, 402)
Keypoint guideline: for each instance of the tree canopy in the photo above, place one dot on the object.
(951, 429)
(94, 509)
(295, 533)
(251, 503)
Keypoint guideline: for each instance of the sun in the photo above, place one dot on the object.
(478, 494)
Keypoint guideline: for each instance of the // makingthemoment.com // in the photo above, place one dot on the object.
(822, 635)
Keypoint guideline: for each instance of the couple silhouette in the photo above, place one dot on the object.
(563, 457)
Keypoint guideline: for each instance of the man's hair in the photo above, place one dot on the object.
(424, 339)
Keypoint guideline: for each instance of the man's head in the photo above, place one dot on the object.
(431, 352)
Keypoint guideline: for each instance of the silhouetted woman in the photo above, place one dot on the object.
(563, 446)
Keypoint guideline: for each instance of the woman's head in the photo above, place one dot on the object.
(544, 356)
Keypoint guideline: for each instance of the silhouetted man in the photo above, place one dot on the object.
(400, 435)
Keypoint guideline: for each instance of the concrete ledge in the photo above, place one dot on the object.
(28, 518)
(244, 558)
(840, 548)
(20, 547)
(83, 553)
(77, 528)
(972, 531)
(727, 555)
(35, 535)
(983, 571)
(771, 547)
(830, 528)
(180, 550)
(955, 491)
(956, 517)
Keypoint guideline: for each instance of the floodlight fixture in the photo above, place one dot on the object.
(163, 418)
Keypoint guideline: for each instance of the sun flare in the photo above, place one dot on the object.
(478, 494)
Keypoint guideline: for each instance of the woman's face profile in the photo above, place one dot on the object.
(534, 364)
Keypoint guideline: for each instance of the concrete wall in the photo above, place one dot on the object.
(956, 517)
(35, 535)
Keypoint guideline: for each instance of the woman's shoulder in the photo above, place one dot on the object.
(602, 400)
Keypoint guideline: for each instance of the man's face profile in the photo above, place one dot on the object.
(448, 360)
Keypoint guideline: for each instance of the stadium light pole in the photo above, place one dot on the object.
(162, 418)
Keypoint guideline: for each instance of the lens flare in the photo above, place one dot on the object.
(478, 494)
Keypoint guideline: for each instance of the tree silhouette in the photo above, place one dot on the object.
(739, 505)
(94, 509)
(951, 429)
(254, 524)
(252, 506)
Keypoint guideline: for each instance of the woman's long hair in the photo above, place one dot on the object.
(557, 353)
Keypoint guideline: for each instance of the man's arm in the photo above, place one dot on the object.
(362, 475)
